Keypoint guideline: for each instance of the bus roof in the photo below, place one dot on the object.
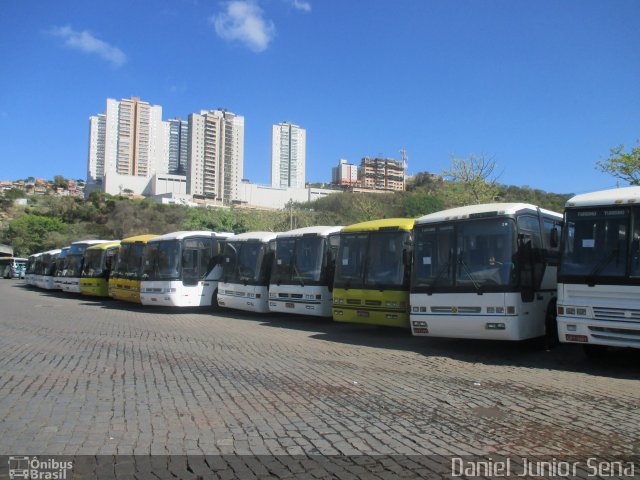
(17, 259)
(385, 223)
(36, 255)
(461, 213)
(264, 237)
(613, 196)
(321, 231)
(90, 242)
(52, 252)
(105, 246)
(187, 234)
(139, 238)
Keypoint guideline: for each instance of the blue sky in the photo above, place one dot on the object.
(545, 88)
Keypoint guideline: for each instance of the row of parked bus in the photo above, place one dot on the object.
(502, 271)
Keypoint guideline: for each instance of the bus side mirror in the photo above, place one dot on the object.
(555, 240)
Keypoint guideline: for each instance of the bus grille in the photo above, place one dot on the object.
(463, 310)
(616, 334)
(232, 293)
(617, 314)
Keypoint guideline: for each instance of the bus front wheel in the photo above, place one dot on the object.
(214, 300)
(551, 339)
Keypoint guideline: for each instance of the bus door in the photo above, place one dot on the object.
(534, 301)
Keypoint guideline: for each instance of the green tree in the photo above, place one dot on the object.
(60, 182)
(476, 174)
(622, 165)
(28, 233)
(418, 203)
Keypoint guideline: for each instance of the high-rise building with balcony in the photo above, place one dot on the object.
(288, 155)
(126, 145)
(381, 174)
(95, 167)
(215, 155)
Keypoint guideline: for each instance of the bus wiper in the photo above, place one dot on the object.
(603, 263)
(296, 273)
(444, 268)
(468, 272)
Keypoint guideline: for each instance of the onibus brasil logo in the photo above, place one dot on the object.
(36, 469)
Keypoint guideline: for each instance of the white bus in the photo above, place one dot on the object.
(485, 272)
(58, 279)
(599, 274)
(302, 273)
(181, 269)
(13, 267)
(73, 263)
(47, 269)
(246, 264)
(30, 276)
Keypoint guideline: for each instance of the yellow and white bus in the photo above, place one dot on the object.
(302, 273)
(485, 272)
(13, 267)
(73, 263)
(246, 264)
(372, 273)
(181, 269)
(46, 269)
(599, 274)
(124, 282)
(96, 268)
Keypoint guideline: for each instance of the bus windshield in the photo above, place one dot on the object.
(73, 266)
(50, 265)
(299, 260)
(94, 264)
(129, 264)
(244, 262)
(162, 260)
(596, 243)
(372, 260)
(465, 256)
(60, 264)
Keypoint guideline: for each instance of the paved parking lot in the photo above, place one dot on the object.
(85, 376)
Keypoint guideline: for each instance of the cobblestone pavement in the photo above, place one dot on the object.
(84, 376)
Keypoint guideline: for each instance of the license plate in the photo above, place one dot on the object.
(289, 305)
(363, 314)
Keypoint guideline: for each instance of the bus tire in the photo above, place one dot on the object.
(214, 300)
(551, 339)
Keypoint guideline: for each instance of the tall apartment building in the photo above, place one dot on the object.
(288, 155)
(381, 174)
(126, 145)
(95, 167)
(178, 151)
(215, 155)
(344, 174)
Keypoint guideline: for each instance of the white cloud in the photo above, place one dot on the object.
(244, 21)
(87, 43)
(301, 5)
